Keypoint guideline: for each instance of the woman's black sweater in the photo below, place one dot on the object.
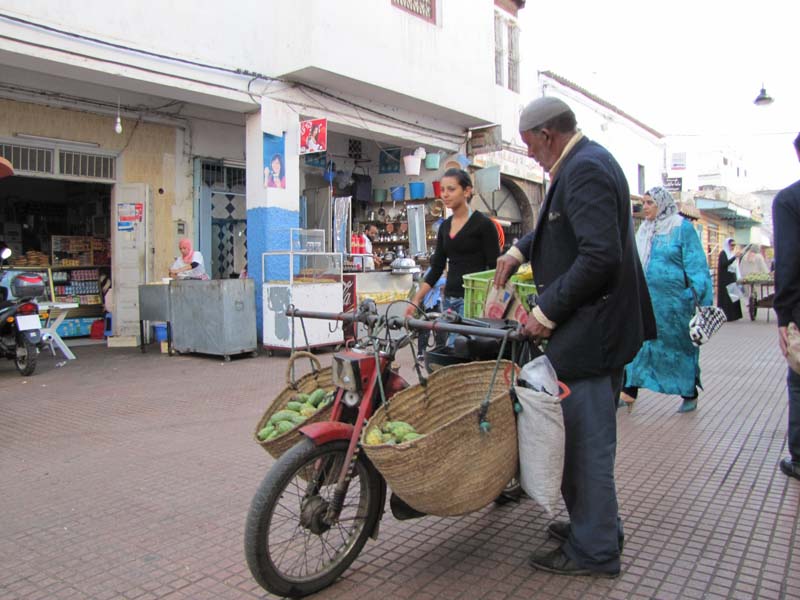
(474, 248)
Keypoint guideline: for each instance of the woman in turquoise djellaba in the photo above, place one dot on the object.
(674, 264)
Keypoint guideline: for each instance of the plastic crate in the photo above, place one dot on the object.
(523, 289)
(476, 288)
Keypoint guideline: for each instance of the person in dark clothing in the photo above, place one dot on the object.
(786, 224)
(467, 242)
(594, 310)
(728, 291)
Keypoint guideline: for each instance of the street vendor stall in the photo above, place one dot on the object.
(760, 290)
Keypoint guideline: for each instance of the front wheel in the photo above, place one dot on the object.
(25, 359)
(291, 548)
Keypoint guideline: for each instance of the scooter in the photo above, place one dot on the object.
(20, 328)
(323, 498)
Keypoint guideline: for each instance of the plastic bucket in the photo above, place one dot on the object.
(398, 192)
(432, 161)
(160, 332)
(416, 190)
(411, 164)
(379, 195)
(437, 189)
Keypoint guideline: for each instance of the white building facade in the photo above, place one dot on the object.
(196, 86)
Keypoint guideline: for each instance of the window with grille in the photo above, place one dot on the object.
(27, 158)
(513, 57)
(424, 9)
(499, 49)
(506, 52)
(354, 149)
(81, 164)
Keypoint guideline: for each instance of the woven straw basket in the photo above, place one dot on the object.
(318, 378)
(454, 468)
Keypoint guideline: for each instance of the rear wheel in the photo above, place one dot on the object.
(25, 359)
(291, 549)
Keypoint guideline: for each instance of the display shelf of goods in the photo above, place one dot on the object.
(78, 285)
(32, 258)
(79, 251)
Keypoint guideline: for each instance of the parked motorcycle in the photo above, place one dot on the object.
(20, 328)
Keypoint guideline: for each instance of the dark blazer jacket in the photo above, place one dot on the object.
(586, 266)
(786, 223)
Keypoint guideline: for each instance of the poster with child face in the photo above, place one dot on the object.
(313, 136)
(274, 161)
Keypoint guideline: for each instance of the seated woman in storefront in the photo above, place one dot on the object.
(189, 265)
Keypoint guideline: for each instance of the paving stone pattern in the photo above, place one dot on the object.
(128, 476)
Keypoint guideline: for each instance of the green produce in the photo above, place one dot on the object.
(316, 396)
(295, 406)
(265, 432)
(298, 419)
(301, 397)
(282, 415)
(307, 410)
(411, 435)
(374, 437)
(284, 426)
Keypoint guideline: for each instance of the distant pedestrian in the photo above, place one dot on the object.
(786, 224)
(729, 297)
(676, 270)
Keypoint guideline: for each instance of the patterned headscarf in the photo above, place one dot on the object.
(666, 220)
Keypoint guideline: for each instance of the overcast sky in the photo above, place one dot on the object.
(684, 67)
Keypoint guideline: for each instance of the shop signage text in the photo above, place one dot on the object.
(673, 184)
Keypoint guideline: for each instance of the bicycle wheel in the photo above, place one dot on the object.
(290, 549)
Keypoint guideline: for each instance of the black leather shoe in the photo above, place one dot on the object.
(559, 530)
(557, 562)
(790, 468)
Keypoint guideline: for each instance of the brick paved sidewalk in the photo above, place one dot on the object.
(129, 476)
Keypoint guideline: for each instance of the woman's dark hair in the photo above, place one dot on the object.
(461, 176)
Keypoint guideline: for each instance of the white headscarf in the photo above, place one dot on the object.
(666, 220)
(730, 247)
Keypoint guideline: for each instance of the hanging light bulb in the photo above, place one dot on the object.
(118, 123)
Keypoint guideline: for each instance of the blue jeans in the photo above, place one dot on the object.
(457, 305)
(793, 386)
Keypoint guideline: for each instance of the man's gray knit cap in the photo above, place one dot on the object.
(540, 111)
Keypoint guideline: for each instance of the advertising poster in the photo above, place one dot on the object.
(313, 136)
(274, 161)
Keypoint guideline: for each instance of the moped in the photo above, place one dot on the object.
(20, 327)
(319, 503)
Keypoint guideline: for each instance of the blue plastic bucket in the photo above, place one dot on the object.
(398, 192)
(416, 190)
(160, 331)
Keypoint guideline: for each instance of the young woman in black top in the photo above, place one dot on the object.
(467, 242)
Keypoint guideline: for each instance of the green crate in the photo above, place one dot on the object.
(522, 289)
(476, 288)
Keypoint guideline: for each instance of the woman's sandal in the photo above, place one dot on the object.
(627, 401)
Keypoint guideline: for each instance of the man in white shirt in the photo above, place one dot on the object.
(371, 261)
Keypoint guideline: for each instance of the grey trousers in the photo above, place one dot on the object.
(588, 488)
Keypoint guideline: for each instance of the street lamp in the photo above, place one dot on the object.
(763, 99)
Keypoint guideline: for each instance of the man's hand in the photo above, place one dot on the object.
(536, 331)
(783, 340)
(506, 265)
(410, 311)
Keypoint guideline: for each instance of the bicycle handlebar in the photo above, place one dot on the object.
(409, 323)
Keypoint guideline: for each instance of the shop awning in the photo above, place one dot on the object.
(727, 211)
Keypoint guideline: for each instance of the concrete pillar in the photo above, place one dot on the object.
(271, 211)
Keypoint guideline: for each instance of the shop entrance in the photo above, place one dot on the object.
(61, 229)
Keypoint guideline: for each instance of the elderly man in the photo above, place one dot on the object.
(594, 311)
(786, 221)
